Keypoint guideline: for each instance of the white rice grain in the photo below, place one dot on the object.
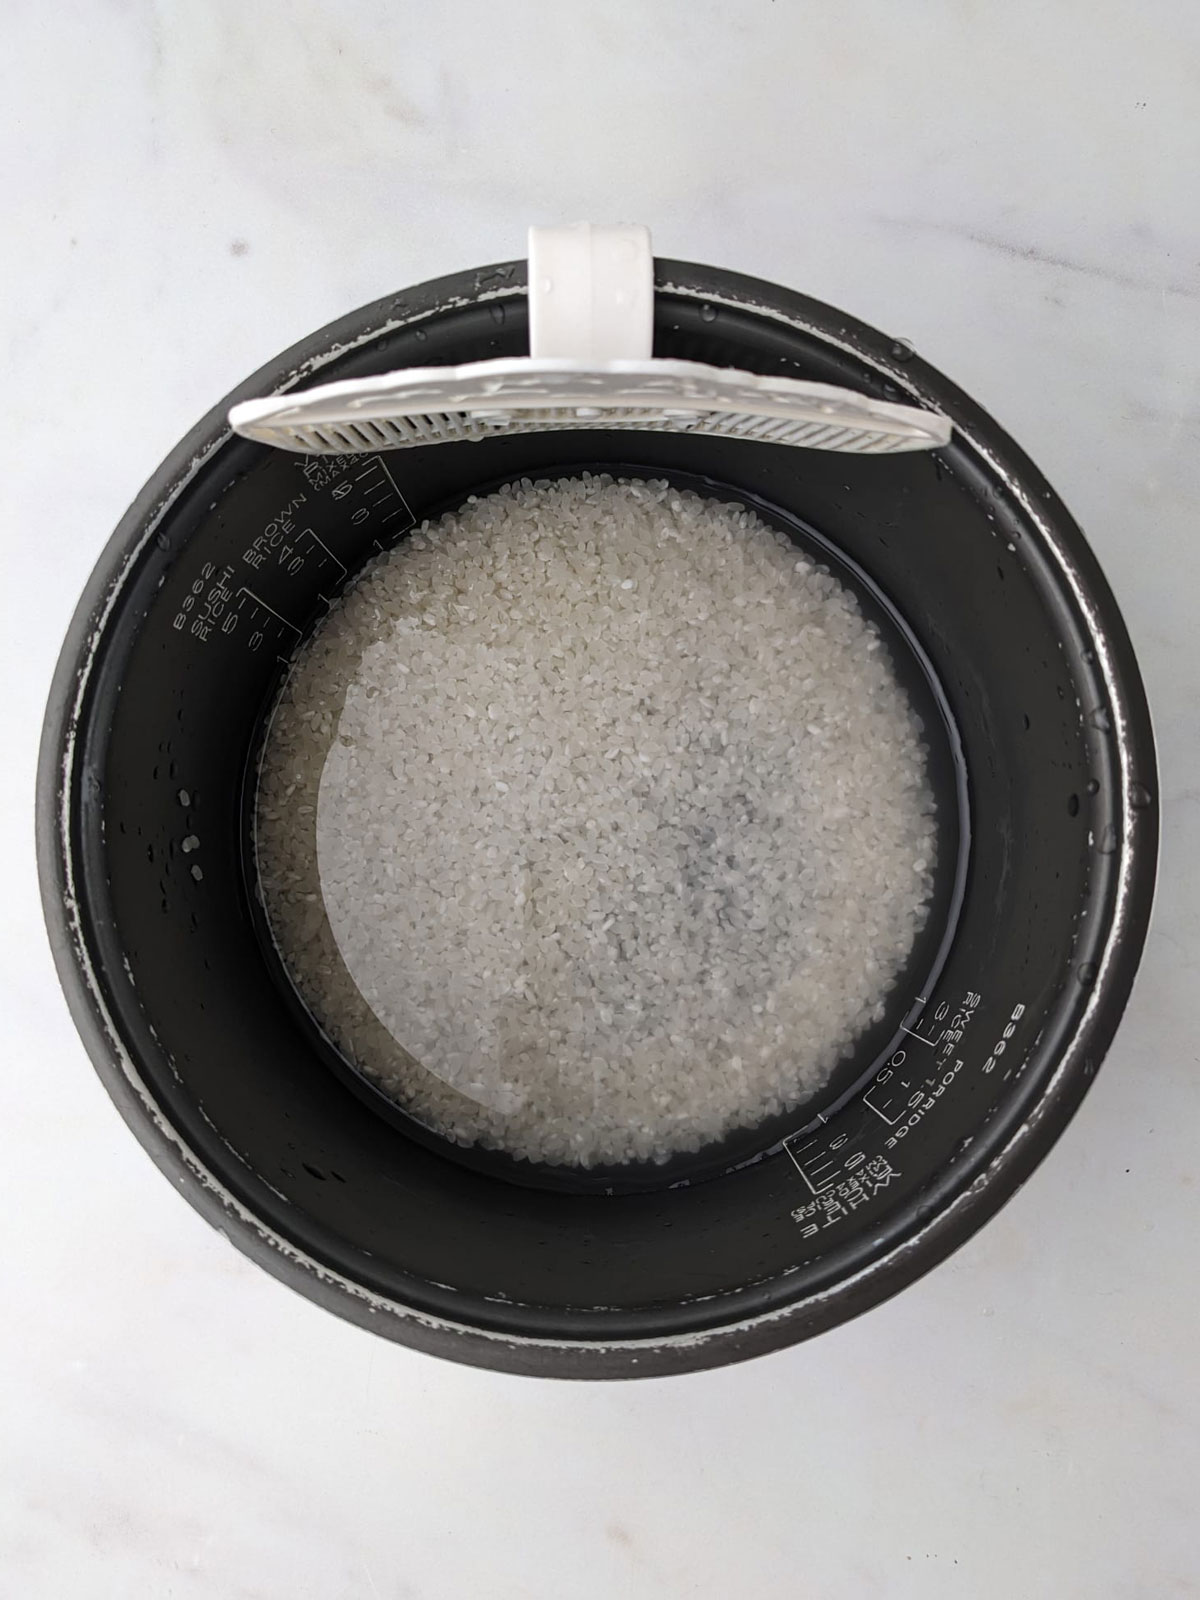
(591, 823)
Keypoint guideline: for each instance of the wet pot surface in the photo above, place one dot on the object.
(1004, 630)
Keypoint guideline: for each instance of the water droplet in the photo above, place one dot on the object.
(197, 871)
(419, 333)
(1087, 973)
(1093, 786)
(1089, 656)
(184, 798)
(162, 541)
(902, 350)
(1100, 719)
(496, 312)
(1139, 796)
(708, 313)
(1072, 806)
(1108, 840)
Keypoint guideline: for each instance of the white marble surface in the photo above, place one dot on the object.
(188, 188)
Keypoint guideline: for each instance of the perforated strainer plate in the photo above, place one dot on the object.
(524, 394)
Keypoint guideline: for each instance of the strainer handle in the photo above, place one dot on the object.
(591, 292)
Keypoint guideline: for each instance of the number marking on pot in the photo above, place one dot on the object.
(256, 618)
(848, 1170)
(815, 1162)
(341, 494)
(859, 1181)
(379, 487)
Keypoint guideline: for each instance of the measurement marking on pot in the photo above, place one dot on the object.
(364, 482)
(338, 564)
(378, 465)
(921, 1102)
(860, 1181)
(839, 1172)
(889, 1092)
(259, 601)
(260, 610)
(913, 1034)
(893, 1096)
(818, 1169)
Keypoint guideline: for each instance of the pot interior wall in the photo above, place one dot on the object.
(220, 599)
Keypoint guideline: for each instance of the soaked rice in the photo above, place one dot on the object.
(593, 823)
